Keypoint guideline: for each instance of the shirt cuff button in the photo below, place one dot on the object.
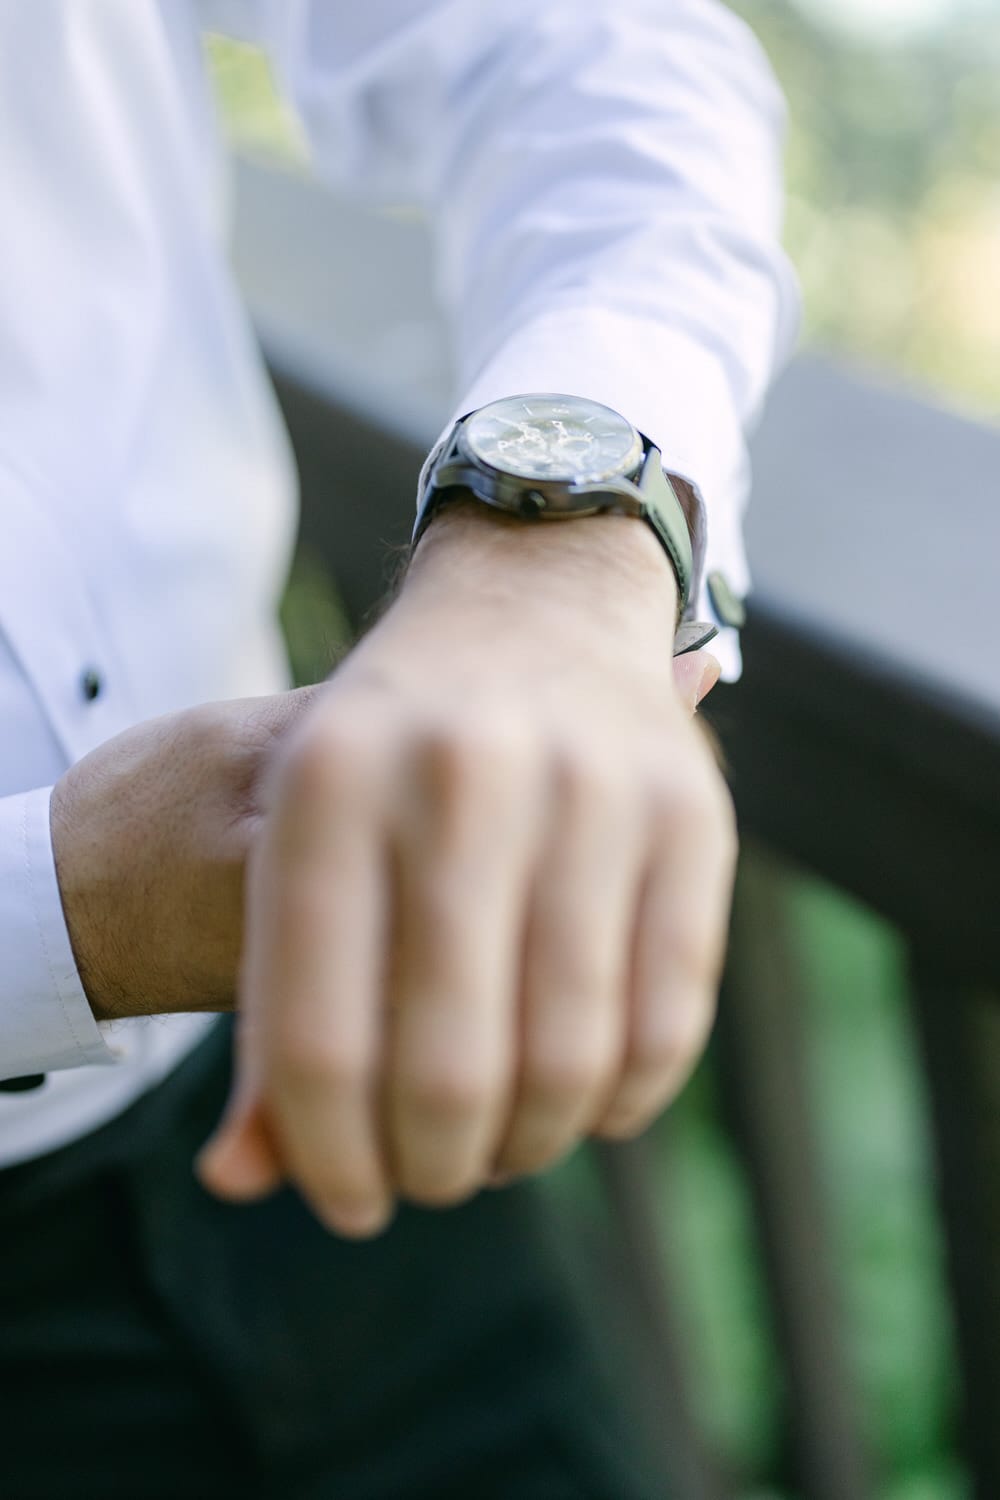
(91, 684)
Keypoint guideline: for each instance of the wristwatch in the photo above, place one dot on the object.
(553, 457)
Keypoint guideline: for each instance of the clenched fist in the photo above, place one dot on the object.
(485, 912)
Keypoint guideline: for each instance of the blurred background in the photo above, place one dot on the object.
(894, 225)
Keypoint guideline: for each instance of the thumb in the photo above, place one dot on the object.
(695, 675)
(239, 1161)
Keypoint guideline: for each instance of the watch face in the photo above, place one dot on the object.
(553, 438)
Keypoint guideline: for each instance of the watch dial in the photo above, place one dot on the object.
(554, 437)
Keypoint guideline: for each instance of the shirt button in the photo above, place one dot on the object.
(91, 684)
(22, 1085)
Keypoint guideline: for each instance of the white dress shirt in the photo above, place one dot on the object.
(603, 180)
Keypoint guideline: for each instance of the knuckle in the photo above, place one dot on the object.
(564, 1074)
(306, 1060)
(680, 796)
(568, 978)
(656, 1058)
(449, 1089)
(694, 801)
(461, 759)
(585, 779)
(690, 953)
(447, 757)
(332, 760)
(665, 1047)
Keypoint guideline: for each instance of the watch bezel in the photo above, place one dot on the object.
(553, 487)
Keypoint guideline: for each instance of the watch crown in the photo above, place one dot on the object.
(532, 503)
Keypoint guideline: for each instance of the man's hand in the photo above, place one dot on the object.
(486, 913)
(151, 833)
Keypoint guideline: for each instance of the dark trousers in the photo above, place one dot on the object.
(157, 1343)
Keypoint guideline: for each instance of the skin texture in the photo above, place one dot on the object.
(151, 833)
(488, 871)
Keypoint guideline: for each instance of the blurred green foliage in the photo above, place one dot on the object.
(256, 118)
(316, 628)
(894, 191)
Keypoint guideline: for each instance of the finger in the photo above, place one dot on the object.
(313, 982)
(575, 967)
(677, 958)
(240, 1160)
(463, 862)
(695, 675)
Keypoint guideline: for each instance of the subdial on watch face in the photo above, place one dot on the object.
(549, 437)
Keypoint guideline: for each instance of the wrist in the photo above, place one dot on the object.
(611, 567)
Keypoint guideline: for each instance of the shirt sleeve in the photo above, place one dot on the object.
(45, 1020)
(603, 181)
